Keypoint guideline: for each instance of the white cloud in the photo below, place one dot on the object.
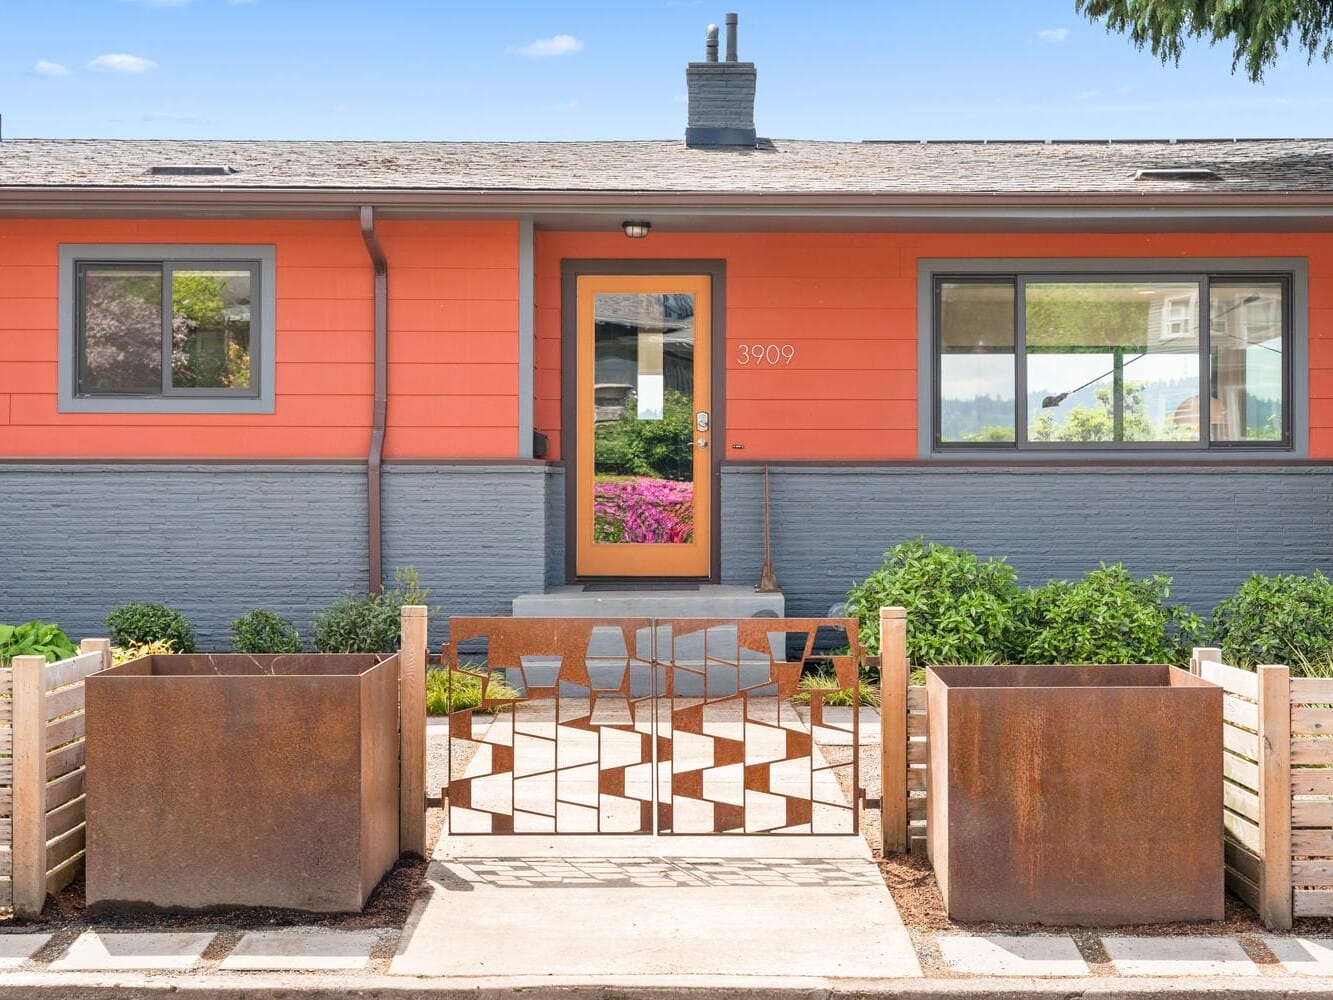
(542, 48)
(122, 62)
(1053, 34)
(49, 68)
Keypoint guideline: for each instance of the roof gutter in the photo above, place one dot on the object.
(375, 457)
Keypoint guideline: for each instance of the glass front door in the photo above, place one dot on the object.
(644, 429)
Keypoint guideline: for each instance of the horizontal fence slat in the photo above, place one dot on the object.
(64, 789)
(916, 807)
(916, 779)
(6, 711)
(1243, 772)
(1245, 862)
(1233, 679)
(1311, 751)
(6, 683)
(1312, 721)
(1241, 800)
(1312, 843)
(7, 867)
(917, 751)
(62, 673)
(1312, 690)
(61, 849)
(7, 771)
(1312, 781)
(6, 802)
(1242, 831)
(64, 701)
(63, 875)
(1238, 741)
(66, 817)
(916, 698)
(1312, 903)
(1240, 712)
(1312, 872)
(1312, 813)
(65, 759)
(917, 725)
(1246, 889)
(64, 730)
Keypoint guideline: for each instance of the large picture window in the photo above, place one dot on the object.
(1043, 361)
(166, 329)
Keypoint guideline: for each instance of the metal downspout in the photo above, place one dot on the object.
(375, 458)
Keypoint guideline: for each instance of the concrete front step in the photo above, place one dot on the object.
(709, 600)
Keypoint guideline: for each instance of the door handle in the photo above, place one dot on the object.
(702, 442)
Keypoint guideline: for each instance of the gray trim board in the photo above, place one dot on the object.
(1296, 267)
(526, 336)
(71, 254)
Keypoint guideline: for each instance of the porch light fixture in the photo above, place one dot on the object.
(636, 229)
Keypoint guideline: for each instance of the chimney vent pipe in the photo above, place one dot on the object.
(710, 48)
(731, 37)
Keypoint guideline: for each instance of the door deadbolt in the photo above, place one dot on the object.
(701, 420)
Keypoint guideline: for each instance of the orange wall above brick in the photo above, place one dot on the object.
(848, 305)
(453, 344)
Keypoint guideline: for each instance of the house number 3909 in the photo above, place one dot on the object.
(766, 354)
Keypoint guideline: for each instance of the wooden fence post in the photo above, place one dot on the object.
(893, 678)
(412, 731)
(1275, 901)
(102, 646)
(1204, 654)
(29, 736)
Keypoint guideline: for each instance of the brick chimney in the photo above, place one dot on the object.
(721, 96)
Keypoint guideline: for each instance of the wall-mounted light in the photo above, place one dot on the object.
(636, 229)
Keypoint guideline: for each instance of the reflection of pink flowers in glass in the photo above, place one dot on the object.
(643, 510)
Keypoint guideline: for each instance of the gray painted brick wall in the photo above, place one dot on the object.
(214, 541)
(475, 533)
(1208, 528)
(555, 527)
(218, 540)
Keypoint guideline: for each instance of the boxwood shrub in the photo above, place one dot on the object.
(1277, 619)
(141, 622)
(264, 631)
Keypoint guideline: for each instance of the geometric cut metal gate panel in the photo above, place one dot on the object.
(641, 725)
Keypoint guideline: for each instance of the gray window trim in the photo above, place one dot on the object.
(223, 254)
(1295, 269)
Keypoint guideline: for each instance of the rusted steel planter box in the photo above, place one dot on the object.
(1088, 795)
(240, 780)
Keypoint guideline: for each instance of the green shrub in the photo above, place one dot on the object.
(960, 609)
(1276, 619)
(457, 692)
(263, 631)
(34, 639)
(1107, 617)
(144, 622)
(371, 624)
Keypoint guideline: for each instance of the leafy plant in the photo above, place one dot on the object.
(371, 624)
(1106, 617)
(834, 693)
(123, 654)
(144, 622)
(657, 448)
(264, 631)
(458, 691)
(960, 608)
(34, 639)
(1276, 619)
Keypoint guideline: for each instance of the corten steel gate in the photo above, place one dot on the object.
(652, 725)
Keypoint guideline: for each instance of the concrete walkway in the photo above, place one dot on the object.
(585, 908)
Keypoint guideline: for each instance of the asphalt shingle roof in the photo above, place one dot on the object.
(778, 166)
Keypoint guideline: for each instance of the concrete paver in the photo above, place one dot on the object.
(1303, 956)
(1178, 956)
(15, 949)
(102, 951)
(1012, 955)
(644, 906)
(301, 949)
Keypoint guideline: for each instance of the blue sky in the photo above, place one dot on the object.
(541, 69)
